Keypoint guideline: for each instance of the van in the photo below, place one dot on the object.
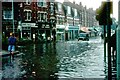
(83, 36)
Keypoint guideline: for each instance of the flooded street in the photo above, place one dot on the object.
(70, 59)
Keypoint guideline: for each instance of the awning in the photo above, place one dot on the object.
(85, 29)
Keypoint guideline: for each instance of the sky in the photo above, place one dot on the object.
(96, 4)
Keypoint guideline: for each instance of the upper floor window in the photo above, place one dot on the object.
(69, 10)
(75, 11)
(28, 2)
(42, 16)
(42, 3)
(27, 15)
(59, 7)
(52, 9)
(7, 14)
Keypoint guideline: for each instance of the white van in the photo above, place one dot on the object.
(83, 36)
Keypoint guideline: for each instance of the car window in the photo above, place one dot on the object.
(82, 35)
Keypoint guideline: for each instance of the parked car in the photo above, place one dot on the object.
(83, 36)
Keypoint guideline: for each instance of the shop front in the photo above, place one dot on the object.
(28, 30)
(72, 32)
(60, 32)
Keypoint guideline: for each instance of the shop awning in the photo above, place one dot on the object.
(85, 29)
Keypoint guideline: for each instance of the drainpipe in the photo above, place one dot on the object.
(118, 44)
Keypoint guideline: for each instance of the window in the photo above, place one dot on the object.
(28, 2)
(69, 10)
(75, 10)
(59, 7)
(52, 9)
(42, 16)
(42, 3)
(7, 14)
(27, 15)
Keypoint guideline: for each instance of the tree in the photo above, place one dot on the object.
(103, 12)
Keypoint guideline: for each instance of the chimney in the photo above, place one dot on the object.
(74, 2)
(80, 3)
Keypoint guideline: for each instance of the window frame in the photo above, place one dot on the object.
(27, 16)
(44, 3)
(4, 13)
(28, 2)
(39, 13)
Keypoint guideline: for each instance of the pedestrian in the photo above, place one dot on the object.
(113, 44)
(102, 36)
(11, 44)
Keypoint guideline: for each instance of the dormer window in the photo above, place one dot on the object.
(69, 10)
(28, 2)
(42, 3)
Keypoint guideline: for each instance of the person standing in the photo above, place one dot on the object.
(11, 43)
(113, 45)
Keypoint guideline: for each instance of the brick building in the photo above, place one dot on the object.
(31, 19)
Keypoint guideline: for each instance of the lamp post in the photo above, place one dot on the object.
(13, 16)
(65, 32)
(66, 28)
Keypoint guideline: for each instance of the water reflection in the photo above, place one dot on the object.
(41, 62)
(58, 60)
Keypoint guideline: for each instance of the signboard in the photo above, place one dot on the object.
(47, 26)
(29, 25)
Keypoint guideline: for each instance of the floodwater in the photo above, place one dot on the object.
(70, 59)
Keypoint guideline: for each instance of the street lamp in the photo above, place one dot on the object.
(65, 29)
(20, 28)
(13, 15)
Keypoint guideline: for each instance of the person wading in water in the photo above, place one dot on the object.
(12, 43)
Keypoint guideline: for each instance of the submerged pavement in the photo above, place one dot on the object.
(70, 59)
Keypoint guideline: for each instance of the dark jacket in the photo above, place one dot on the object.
(113, 41)
(12, 41)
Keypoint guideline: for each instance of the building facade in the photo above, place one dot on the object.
(46, 19)
(9, 19)
(35, 19)
(39, 18)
